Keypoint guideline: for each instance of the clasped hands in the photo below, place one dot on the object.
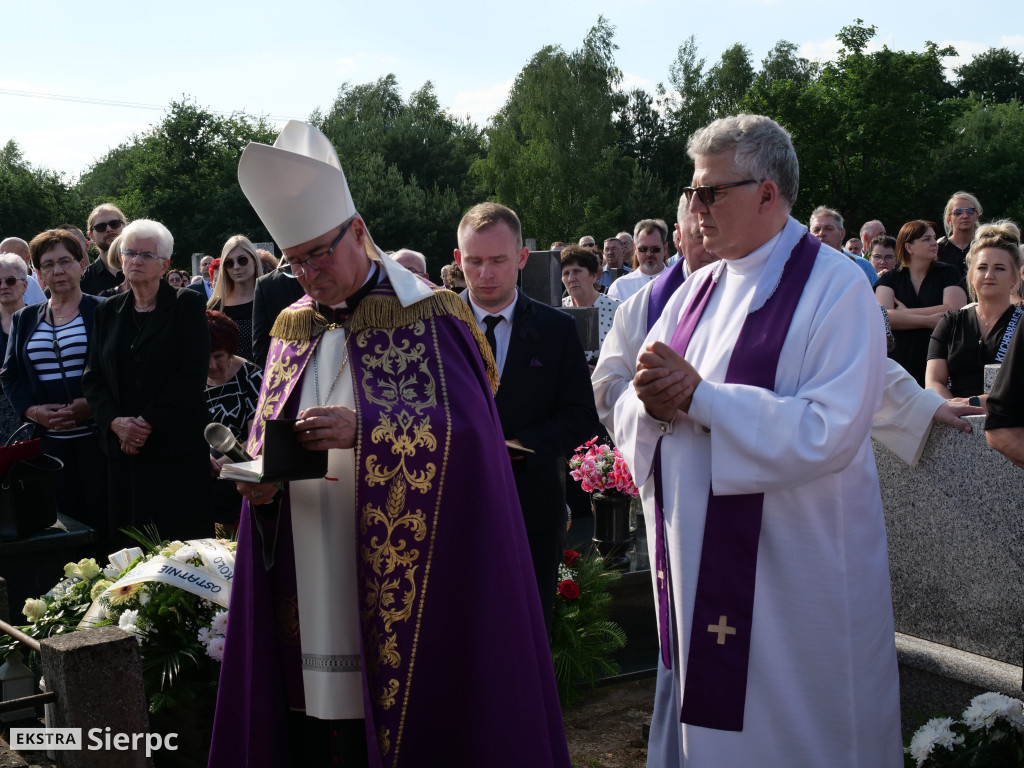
(664, 381)
(57, 416)
(132, 433)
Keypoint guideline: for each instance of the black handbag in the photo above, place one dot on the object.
(27, 503)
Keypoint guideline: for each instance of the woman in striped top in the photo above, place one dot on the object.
(42, 377)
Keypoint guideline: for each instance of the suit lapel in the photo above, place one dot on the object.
(523, 338)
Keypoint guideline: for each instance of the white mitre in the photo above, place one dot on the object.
(297, 186)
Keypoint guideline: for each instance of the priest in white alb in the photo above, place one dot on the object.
(748, 424)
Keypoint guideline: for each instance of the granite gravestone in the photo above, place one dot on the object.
(955, 528)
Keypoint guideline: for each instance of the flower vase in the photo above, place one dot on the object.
(611, 527)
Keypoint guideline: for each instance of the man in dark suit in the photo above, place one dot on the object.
(545, 400)
(203, 287)
(274, 292)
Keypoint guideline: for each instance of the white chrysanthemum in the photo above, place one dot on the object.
(128, 622)
(203, 635)
(219, 624)
(937, 732)
(986, 708)
(215, 648)
(185, 553)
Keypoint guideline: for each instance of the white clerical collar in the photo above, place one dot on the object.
(755, 260)
(779, 249)
(480, 313)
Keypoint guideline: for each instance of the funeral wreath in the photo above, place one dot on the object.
(172, 596)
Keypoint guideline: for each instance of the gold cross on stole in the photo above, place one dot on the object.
(722, 629)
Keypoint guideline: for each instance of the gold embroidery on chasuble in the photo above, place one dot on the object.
(280, 375)
(399, 372)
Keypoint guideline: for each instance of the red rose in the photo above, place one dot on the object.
(571, 556)
(569, 589)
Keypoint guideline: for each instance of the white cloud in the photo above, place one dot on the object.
(72, 147)
(631, 81)
(827, 50)
(1013, 42)
(482, 104)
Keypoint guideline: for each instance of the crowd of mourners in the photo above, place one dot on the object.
(113, 351)
(119, 365)
(951, 302)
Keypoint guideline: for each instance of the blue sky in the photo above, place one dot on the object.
(286, 59)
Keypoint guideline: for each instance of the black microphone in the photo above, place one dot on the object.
(221, 439)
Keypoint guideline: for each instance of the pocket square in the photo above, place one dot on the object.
(536, 363)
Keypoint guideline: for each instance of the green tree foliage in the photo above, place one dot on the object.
(865, 128)
(984, 156)
(552, 153)
(184, 173)
(33, 199)
(994, 76)
(729, 80)
(407, 164)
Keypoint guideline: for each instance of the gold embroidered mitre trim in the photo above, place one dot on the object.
(379, 310)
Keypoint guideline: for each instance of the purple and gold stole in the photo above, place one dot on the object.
(714, 691)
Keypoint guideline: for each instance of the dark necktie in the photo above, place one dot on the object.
(491, 321)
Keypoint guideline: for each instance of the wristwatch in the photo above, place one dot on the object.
(975, 401)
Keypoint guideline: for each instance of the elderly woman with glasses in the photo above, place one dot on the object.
(147, 389)
(234, 290)
(43, 371)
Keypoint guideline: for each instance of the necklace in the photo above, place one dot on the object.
(55, 318)
(316, 374)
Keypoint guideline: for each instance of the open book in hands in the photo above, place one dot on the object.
(284, 458)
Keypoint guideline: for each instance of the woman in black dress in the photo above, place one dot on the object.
(235, 288)
(916, 294)
(146, 382)
(966, 340)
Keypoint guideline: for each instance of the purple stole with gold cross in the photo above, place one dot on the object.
(714, 691)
